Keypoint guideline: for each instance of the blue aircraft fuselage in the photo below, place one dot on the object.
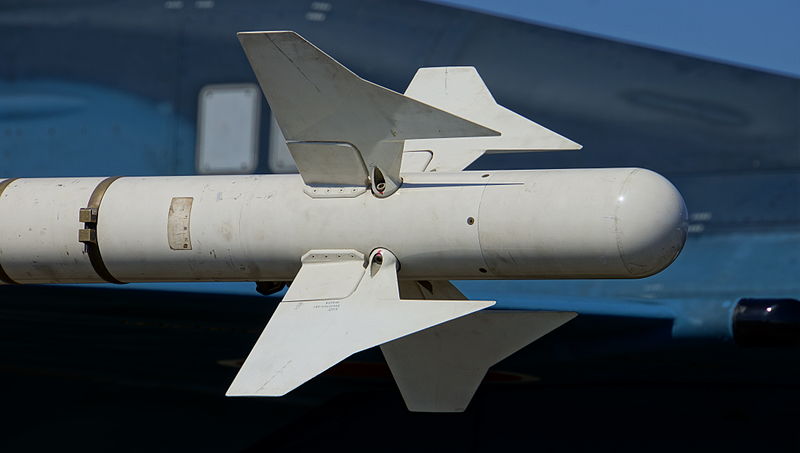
(112, 89)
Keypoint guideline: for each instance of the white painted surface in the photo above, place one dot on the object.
(227, 129)
(253, 228)
(591, 223)
(594, 223)
(440, 368)
(316, 99)
(326, 274)
(304, 338)
(39, 230)
(461, 91)
(415, 161)
(329, 164)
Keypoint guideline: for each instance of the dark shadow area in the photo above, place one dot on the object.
(108, 370)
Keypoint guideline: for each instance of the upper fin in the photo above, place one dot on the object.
(334, 308)
(327, 113)
(461, 91)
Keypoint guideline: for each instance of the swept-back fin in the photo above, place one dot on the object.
(317, 100)
(439, 369)
(335, 308)
(461, 91)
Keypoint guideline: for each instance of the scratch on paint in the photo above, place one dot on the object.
(295, 64)
(277, 373)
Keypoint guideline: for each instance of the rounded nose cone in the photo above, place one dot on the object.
(651, 223)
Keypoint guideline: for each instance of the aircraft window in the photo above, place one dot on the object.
(227, 128)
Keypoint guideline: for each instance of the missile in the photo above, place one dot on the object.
(381, 216)
(595, 223)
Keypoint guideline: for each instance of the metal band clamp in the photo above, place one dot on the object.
(88, 234)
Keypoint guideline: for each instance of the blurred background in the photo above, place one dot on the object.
(705, 93)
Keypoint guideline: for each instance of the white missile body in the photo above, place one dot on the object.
(379, 219)
(594, 223)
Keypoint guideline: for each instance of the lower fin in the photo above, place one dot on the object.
(439, 369)
(309, 333)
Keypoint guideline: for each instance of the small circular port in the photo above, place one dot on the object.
(470, 220)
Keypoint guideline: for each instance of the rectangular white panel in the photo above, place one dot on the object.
(227, 129)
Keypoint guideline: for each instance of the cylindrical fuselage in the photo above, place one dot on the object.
(593, 223)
